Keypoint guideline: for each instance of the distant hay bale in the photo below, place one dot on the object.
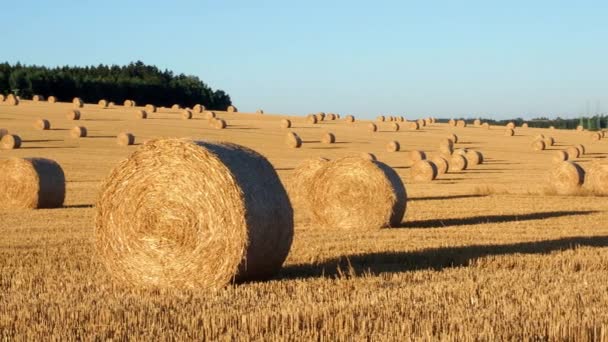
(579, 128)
(42, 124)
(427, 122)
(369, 156)
(285, 123)
(331, 116)
(311, 118)
(395, 127)
(452, 122)
(473, 158)
(393, 146)
(355, 193)
(349, 118)
(73, 114)
(232, 109)
(461, 124)
(77, 102)
(421, 122)
(416, 155)
(31, 183)
(125, 139)
(186, 115)
(112, 105)
(10, 142)
(37, 98)
(596, 136)
(381, 118)
(566, 178)
(12, 100)
(581, 149)
(103, 104)
(596, 178)
(549, 141)
(198, 108)
(328, 138)
(423, 171)
(141, 114)
(540, 137)
(259, 111)
(458, 162)
(477, 123)
(78, 132)
(169, 236)
(150, 108)
(293, 140)
(2, 98)
(219, 123)
(573, 152)
(524, 125)
(453, 137)
(176, 107)
(441, 164)
(414, 126)
(390, 118)
(560, 156)
(372, 127)
(511, 125)
(127, 103)
(210, 115)
(509, 132)
(319, 116)
(485, 125)
(446, 146)
(538, 145)
(401, 119)
(551, 127)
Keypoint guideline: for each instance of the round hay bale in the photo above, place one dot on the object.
(414, 126)
(141, 114)
(150, 108)
(42, 124)
(509, 132)
(477, 123)
(186, 115)
(421, 122)
(549, 141)
(524, 125)
(453, 137)
(355, 193)
(311, 118)
(320, 117)
(328, 138)
(127, 103)
(285, 123)
(31, 183)
(395, 127)
(10, 142)
(390, 118)
(78, 132)
(441, 164)
(232, 109)
(551, 127)
(368, 156)
(198, 108)
(219, 123)
(293, 140)
(473, 157)
(581, 149)
(2, 97)
(169, 236)
(125, 139)
(427, 122)
(176, 107)
(485, 125)
(596, 178)
(416, 155)
(372, 127)
(73, 114)
(103, 104)
(77, 102)
(446, 146)
(596, 136)
(461, 124)
(381, 118)
(511, 125)
(540, 137)
(580, 128)
(560, 156)
(538, 145)
(423, 171)
(112, 105)
(452, 122)
(37, 98)
(458, 162)
(210, 115)
(401, 119)
(3, 132)
(567, 177)
(393, 146)
(331, 116)
(573, 152)
(12, 100)
(349, 118)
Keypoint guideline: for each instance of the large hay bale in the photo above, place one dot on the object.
(198, 108)
(300, 183)
(285, 123)
(596, 136)
(372, 127)
(52, 99)
(423, 171)
(77, 102)
(573, 152)
(78, 132)
(210, 115)
(381, 118)
(355, 193)
(141, 114)
(311, 118)
(538, 145)
(560, 156)
(167, 235)
(219, 123)
(567, 177)
(10, 142)
(150, 108)
(453, 137)
(446, 146)
(232, 109)
(125, 139)
(42, 124)
(37, 98)
(509, 132)
(328, 138)
(596, 178)
(452, 122)
(458, 162)
(349, 119)
(511, 125)
(549, 141)
(31, 183)
(461, 124)
(441, 164)
(186, 115)
(395, 127)
(293, 140)
(473, 157)
(393, 146)
(581, 149)
(103, 104)
(73, 114)
(524, 125)
(416, 155)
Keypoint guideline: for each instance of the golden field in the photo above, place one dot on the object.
(487, 253)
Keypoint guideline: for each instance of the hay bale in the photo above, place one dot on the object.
(141, 114)
(381, 118)
(524, 125)
(421, 122)
(37, 98)
(401, 119)
(461, 124)
(77, 102)
(393, 146)
(311, 118)
(355, 193)
(331, 116)
(423, 171)
(596, 178)
(293, 140)
(477, 123)
(186, 115)
(452, 122)
(78, 132)
(485, 125)
(414, 126)
(416, 155)
(551, 127)
(349, 119)
(210, 115)
(441, 164)
(453, 137)
(372, 127)
(573, 152)
(285, 123)
(12, 100)
(560, 156)
(10, 142)
(549, 141)
(320, 117)
(2, 97)
(395, 127)
(368, 156)
(581, 149)
(198, 108)
(427, 122)
(300, 183)
(73, 114)
(150, 108)
(31, 183)
(511, 125)
(567, 178)
(458, 162)
(176, 107)
(538, 145)
(596, 136)
(579, 128)
(103, 104)
(112, 105)
(446, 146)
(125, 139)
(473, 158)
(328, 138)
(169, 236)
(232, 109)
(219, 123)
(509, 132)
(42, 124)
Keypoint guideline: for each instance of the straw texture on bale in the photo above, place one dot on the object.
(320, 117)
(414, 126)
(111, 104)
(355, 193)
(567, 178)
(37, 98)
(596, 178)
(52, 99)
(141, 114)
(186, 115)
(176, 107)
(458, 162)
(549, 141)
(509, 132)
(461, 124)
(349, 118)
(573, 152)
(511, 125)
(462, 151)
(42, 124)
(125, 139)
(395, 127)
(540, 137)
(473, 157)
(199, 215)
(293, 140)
(10, 142)
(423, 171)
(73, 114)
(369, 156)
(311, 118)
(393, 146)
(328, 138)
(103, 104)
(452, 122)
(210, 115)
(560, 156)
(301, 182)
(441, 164)
(416, 155)
(581, 149)
(150, 108)
(198, 108)
(78, 132)
(285, 123)
(77, 102)
(219, 124)
(381, 118)
(446, 146)
(453, 137)
(596, 136)
(372, 127)
(31, 183)
(538, 145)
(331, 116)
(232, 109)
(486, 125)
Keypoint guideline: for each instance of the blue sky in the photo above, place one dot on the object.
(445, 58)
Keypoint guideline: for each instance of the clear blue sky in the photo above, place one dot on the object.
(366, 58)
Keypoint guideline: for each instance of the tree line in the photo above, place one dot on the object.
(136, 81)
(592, 123)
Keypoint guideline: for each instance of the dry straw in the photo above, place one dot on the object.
(511, 125)
(141, 114)
(509, 132)
(461, 124)
(12, 100)
(320, 116)
(473, 157)
(103, 104)
(77, 102)
(10, 142)
(368, 156)
(441, 164)
(293, 140)
(210, 115)
(125, 139)
(549, 141)
(423, 171)
(372, 127)
(3, 132)
(453, 137)
(452, 122)
(446, 146)
(579, 128)
(52, 99)
(458, 162)
(42, 124)
(560, 156)
(524, 125)
(219, 124)
(567, 177)
(2, 97)
(416, 155)
(73, 114)
(477, 123)
(328, 138)
(331, 116)
(596, 178)
(186, 115)
(31, 183)
(198, 108)
(486, 125)
(78, 132)
(393, 146)
(381, 118)
(311, 118)
(232, 109)
(581, 149)
(199, 215)
(395, 127)
(349, 118)
(414, 126)
(538, 145)
(176, 107)
(300, 183)
(421, 123)
(573, 152)
(37, 98)
(285, 123)
(150, 108)
(596, 136)
(355, 193)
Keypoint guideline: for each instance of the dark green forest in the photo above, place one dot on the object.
(136, 81)
(592, 123)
